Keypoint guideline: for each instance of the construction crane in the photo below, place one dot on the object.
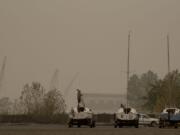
(2, 72)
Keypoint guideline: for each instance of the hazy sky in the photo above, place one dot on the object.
(85, 36)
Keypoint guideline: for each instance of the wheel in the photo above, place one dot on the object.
(120, 126)
(91, 126)
(115, 125)
(94, 124)
(153, 124)
(176, 126)
(136, 123)
(78, 125)
(70, 124)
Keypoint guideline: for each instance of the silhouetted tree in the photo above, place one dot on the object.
(139, 86)
(165, 93)
(5, 105)
(32, 98)
(53, 102)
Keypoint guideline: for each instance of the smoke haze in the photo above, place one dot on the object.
(85, 36)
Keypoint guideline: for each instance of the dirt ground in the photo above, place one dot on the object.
(49, 129)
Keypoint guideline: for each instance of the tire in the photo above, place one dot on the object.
(70, 125)
(94, 124)
(120, 126)
(91, 125)
(136, 124)
(115, 125)
(176, 126)
(153, 124)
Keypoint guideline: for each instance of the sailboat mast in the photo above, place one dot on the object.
(168, 66)
(168, 55)
(128, 66)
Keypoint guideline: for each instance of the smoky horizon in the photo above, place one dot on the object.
(83, 44)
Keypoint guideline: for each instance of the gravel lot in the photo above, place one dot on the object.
(49, 129)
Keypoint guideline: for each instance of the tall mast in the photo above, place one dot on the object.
(169, 70)
(128, 65)
(168, 55)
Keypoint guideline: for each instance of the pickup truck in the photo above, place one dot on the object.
(146, 120)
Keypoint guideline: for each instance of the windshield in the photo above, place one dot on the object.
(171, 110)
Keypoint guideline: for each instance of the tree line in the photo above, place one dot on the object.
(150, 93)
(146, 92)
(34, 100)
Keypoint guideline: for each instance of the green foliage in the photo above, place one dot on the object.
(147, 92)
(5, 105)
(165, 92)
(35, 101)
(53, 102)
(139, 87)
(32, 98)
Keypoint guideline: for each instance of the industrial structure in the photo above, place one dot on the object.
(104, 103)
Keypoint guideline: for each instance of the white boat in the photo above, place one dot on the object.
(126, 117)
(81, 115)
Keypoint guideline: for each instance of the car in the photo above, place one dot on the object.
(146, 120)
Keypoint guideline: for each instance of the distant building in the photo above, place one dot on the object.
(103, 103)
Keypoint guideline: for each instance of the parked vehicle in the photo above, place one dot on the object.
(169, 117)
(146, 120)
